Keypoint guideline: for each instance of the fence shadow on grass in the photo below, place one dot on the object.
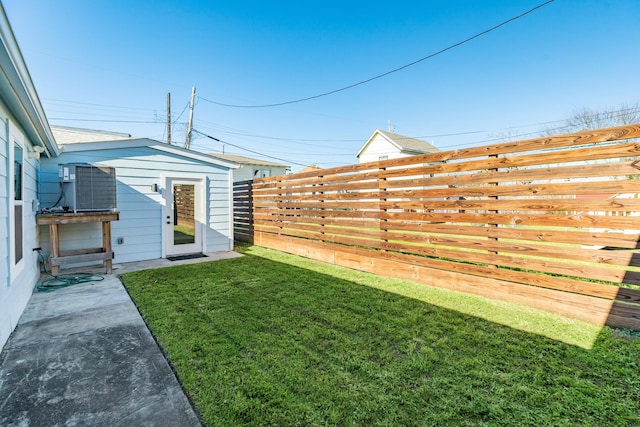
(269, 339)
(625, 310)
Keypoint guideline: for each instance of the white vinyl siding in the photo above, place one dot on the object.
(5, 205)
(380, 147)
(141, 223)
(17, 279)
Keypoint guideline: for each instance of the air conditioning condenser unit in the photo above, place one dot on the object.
(88, 188)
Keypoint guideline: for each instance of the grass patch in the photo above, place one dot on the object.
(274, 339)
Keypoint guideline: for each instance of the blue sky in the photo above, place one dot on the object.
(108, 64)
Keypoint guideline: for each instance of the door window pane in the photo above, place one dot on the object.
(184, 225)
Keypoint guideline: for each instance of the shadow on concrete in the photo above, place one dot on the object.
(82, 355)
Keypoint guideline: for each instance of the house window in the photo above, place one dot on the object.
(18, 203)
(261, 173)
(17, 172)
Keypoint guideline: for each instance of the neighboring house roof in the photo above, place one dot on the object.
(71, 135)
(309, 168)
(243, 160)
(403, 143)
(18, 91)
(145, 142)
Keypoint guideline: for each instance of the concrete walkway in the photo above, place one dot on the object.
(82, 355)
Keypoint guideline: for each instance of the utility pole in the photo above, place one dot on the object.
(187, 140)
(169, 118)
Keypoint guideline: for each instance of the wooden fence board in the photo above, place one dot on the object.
(518, 190)
(597, 170)
(587, 238)
(524, 221)
(605, 205)
(590, 255)
(584, 307)
(537, 158)
(535, 145)
(580, 221)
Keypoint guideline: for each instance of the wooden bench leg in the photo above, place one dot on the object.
(55, 247)
(106, 244)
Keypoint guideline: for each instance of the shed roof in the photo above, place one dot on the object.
(149, 143)
(76, 139)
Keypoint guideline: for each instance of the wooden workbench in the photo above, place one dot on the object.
(57, 258)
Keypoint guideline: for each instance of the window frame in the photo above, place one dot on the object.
(16, 142)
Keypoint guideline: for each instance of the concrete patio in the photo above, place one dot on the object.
(82, 355)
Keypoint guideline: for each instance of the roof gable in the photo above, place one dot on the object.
(148, 143)
(402, 143)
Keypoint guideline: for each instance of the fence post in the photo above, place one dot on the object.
(250, 228)
(321, 199)
(382, 222)
(280, 202)
(243, 219)
(493, 225)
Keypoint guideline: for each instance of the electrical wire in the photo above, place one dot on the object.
(379, 76)
(246, 149)
(103, 120)
(104, 106)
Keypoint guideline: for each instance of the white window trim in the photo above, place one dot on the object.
(15, 138)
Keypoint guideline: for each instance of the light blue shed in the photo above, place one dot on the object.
(151, 180)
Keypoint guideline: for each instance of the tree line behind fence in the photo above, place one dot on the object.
(553, 222)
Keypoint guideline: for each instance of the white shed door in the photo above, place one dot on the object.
(183, 216)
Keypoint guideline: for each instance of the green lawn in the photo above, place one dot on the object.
(274, 339)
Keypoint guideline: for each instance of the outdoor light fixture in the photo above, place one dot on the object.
(35, 152)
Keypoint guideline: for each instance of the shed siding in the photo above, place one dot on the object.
(141, 225)
(16, 288)
(219, 234)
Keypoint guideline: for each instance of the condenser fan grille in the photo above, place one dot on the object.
(93, 189)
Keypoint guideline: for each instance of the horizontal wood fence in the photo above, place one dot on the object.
(552, 223)
(243, 211)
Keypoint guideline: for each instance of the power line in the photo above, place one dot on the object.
(65, 101)
(246, 149)
(395, 70)
(180, 115)
(104, 121)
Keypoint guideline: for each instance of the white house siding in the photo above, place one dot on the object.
(16, 284)
(141, 223)
(6, 325)
(380, 147)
